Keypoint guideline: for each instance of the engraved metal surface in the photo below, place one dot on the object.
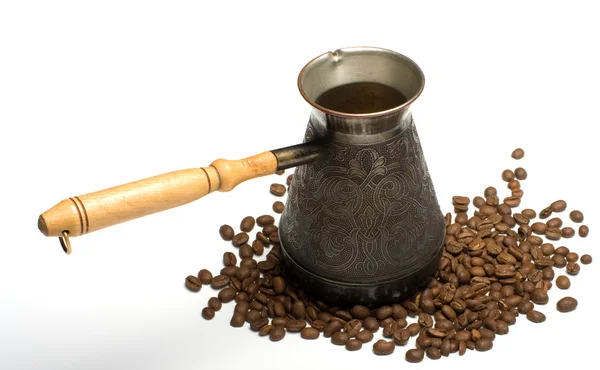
(363, 213)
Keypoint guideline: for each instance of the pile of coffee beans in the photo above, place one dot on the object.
(495, 267)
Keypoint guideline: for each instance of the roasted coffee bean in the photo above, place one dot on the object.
(567, 232)
(193, 283)
(566, 304)
(256, 325)
(423, 341)
(214, 303)
(274, 237)
(258, 247)
(242, 306)
(340, 338)
(365, 336)
(279, 321)
(554, 222)
(461, 200)
(332, 328)
(546, 212)
(563, 282)
(265, 220)
(371, 323)
(299, 310)
(433, 353)
(539, 228)
(219, 281)
(226, 232)
(288, 181)
(227, 295)
(479, 201)
(514, 185)
(238, 319)
(562, 251)
(425, 320)
(278, 207)
(484, 344)
(246, 251)
(539, 296)
(229, 259)
(576, 216)
(247, 224)
(553, 233)
(252, 316)
(536, 316)
(518, 153)
(583, 231)
(208, 313)
(572, 257)
(512, 201)
(558, 206)
(277, 189)
(508, 175)
(401, 336)
(241, 297)
(309, 333)
(414, 355)
(360, 312)
(384, 347)
(353, 344)
(586, 259)
(277, 334)
(269, 229)
(265, 330)
(520, 173)
(205, 276)
(383, 312)
(573, 268)
(524, 307)
(240, 239)
(279, 285)
(353, 327)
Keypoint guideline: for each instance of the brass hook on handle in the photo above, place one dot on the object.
(65, 242)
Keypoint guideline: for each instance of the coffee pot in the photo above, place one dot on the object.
(362, 224)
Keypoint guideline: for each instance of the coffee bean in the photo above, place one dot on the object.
(279, 285)
(265, 330)
(384, 347)
(573, 268)
(240, 239)
(434, 353)
(536, 316)
(247, 224)
(546, 212)
(265, 220)
(479, 201)
(566, 304)
(484, 344)
(193, 283)
(258, 248)
(229, 259)
(214, 303)
(274, 237)
(365, 336)
(229, 271)
(246, 251)
(514, 185)
(318, 324)
(572, 257)
(586, 259)
(520, 173)
(576, 216)
(567, 232)
(508, 175)
(501, 327)
(226, 232)
(219, 281)
(353, 344)
(518, 153)
(277, 334)
(353, 327)
(340, 338)
(539, 228)
(558, 206)
(414, 355)
(288, 181)
(238, 319)
(563, 282)
(553, 233)
(539, 296)
(562, 251)
(256, 325)
(512, 201)
(205, 276)
(227, 295)
(278, 207)
(360, 312)
(371, 323)
(332, 328)
(277, 189)
(460, 200)
(309, 333)
(584, 231)
(208, 313)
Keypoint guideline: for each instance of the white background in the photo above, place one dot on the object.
(98, 93)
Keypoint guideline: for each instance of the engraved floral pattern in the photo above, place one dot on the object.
(363, 211)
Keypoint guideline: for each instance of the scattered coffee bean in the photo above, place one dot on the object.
(518, 153)
(247, 224)
(277, 189)
(539, 296)
(240, 239)
(536, 316)
(246, 251)
(520, 173)
(353, 344)
(563, 282)
(508, 175)
(227, 295)
(340, 338)
(583, 231)
(193, 283)
(229, 259)
(586, 259)
(226, 232)
(539, 228)
(434, 353)
(365, 336)
(484, 344)
(384, 347)
(553, 233)
(576, 216)
(237, 320)
(214, 303)
(573, 268)
(546, 212)
(558, 206)
(265, 330)
(566, 304)
(205, 276)
(265, 220)
(278, 207)
(277, 334)
(288, 181)
(309, 333)
(219, 281)
(414, 355)
(208, 313)
(567, 232)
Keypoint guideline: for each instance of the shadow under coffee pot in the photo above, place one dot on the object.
(362, 224)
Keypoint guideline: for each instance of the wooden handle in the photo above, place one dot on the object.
(94, 211)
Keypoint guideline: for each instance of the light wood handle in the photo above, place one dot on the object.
(94, 211)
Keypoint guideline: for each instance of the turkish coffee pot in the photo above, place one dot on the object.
(362, 224)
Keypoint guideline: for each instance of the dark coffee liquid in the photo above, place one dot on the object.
(361, 97)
